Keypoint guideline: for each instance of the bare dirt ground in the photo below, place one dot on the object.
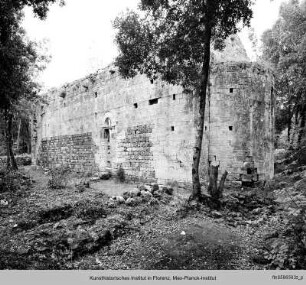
(43, 228)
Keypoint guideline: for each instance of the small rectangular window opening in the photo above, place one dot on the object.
(135, 105)
(96, 94)
(63, 95)
(272, 90)
(231, 90)
(153, 101)
(173, 96)
(230, 128)
(106, 135)
(205, 128)
(172, 128)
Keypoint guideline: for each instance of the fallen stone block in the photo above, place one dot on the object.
(120, 199)
(134, 193)
(130, 202)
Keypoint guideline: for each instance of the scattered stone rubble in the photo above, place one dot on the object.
(244, 207)
(143, 194)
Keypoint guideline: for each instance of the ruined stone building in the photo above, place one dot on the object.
(103, 122)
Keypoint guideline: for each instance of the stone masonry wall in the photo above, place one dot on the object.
(75, 151)
(148, 127)
(135, 150)
(240, 120)
(145, 127)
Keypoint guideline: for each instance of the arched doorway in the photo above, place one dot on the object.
(107, 143)
(107, 130)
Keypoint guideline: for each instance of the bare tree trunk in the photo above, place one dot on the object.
(196, 191)
(222, 181)
(302, 127)
(11, 162)
(18, 136)
(213, 179)
(289, 123)
(216, 192)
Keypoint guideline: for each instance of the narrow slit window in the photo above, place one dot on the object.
(135, 105)
(172, 128)
(230, 128)
(96, 94)
(174, 96)
(153, 101)
(231, 90)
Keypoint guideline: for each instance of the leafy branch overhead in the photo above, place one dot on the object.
(166, 38)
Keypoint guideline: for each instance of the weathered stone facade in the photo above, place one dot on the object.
(103, 122)
(240, 120)
(75, 151)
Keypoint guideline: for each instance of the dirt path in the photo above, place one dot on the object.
(173, 245)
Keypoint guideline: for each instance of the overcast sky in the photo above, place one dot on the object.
(81, 38)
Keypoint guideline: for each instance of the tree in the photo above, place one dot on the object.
(172, 41)
(284, 47)
(18, 59)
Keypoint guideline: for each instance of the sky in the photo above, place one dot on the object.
(80, 38)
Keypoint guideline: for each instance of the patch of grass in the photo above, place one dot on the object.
(87, 209)
(55, 214)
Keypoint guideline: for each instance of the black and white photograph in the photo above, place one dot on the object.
(153, 136)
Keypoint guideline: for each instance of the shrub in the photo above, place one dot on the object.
(59, 177)
(83, 181)
(106, 176)
(121, 174)
(10, 180)
(289, 251)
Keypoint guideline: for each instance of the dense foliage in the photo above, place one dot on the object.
(18, 61)
(284, 46)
